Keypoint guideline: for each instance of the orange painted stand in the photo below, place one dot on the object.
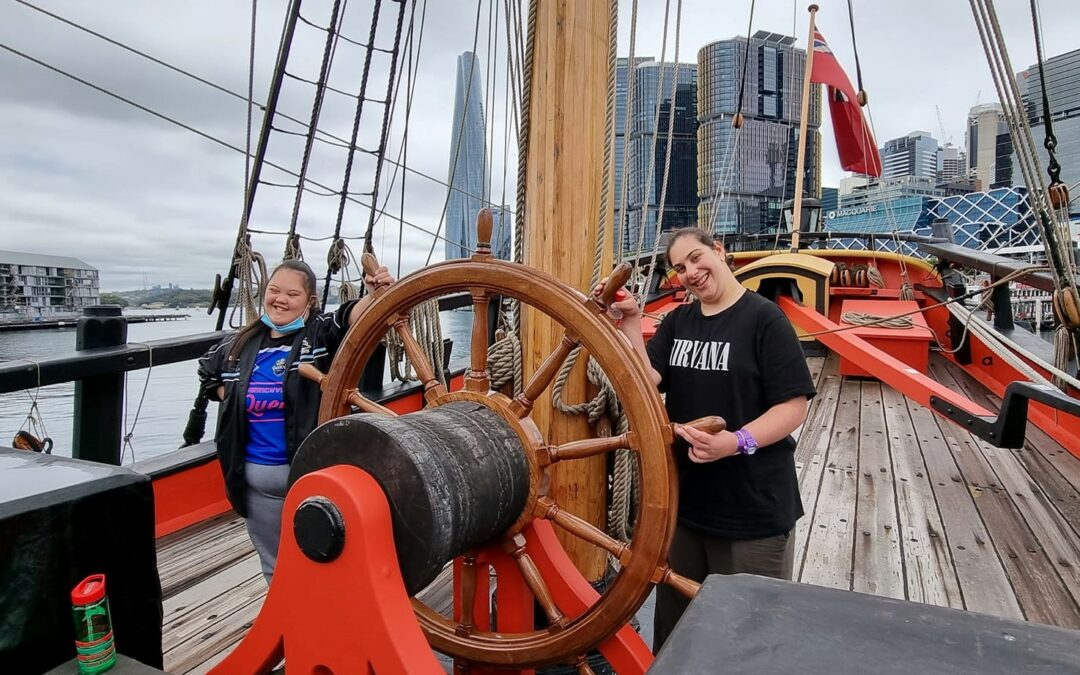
(908, 345)
(625, 650)
(350, 616)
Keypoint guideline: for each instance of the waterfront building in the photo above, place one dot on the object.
(650, 108)
(40, 285)
(468, 174)
(984, 124)
(745, 175)
(999, 220)
(915, 154)
(1062, 74)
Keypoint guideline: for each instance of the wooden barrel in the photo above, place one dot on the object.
(456, 476)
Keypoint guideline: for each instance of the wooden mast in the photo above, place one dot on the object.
(804, 121)
(563, 178)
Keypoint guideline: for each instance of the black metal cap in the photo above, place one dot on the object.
(319, 529)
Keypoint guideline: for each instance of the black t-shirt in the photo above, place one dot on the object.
(736, 364)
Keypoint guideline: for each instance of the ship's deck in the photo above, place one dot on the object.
(899, 502)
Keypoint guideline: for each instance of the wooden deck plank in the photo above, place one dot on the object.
(1035, 526)
(815, 364)
(983, 582)
(187, 565)
(830, 539)
(878, 561)
(812, 451)
(929, 571)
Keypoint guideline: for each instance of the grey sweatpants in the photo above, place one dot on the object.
(267, 486)
(696, 555)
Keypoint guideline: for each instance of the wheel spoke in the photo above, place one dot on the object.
(586, 448)
(419, 360)
(547, 371)
(477, 378)
(582, 666)
(468, 594)
(547, 509)
(365, 404)
(515, 546)
(665, 575)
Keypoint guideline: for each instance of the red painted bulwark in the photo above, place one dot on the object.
(908, 345)
(188, 497)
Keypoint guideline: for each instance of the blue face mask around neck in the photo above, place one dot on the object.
(291, 327)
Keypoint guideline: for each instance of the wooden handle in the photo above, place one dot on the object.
(312, 373)
(616, 282)
(370, 264)
(710, 424)
(484, 225)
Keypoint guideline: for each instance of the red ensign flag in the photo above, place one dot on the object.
(854, 141)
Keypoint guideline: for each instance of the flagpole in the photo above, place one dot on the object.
(804, 119)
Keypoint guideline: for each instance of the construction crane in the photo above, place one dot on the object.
(946, 137)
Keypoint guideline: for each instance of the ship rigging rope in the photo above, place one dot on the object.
(334, 140)
(631, 77)
(329, 51)
(1055, 233)
(654, 257)
(461, 128)
(638, 283)
(129, 431)
(34, 422)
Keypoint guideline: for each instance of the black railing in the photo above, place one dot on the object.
(101, 358)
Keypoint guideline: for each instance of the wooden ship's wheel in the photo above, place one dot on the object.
(466, 477)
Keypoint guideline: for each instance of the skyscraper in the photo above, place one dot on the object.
(652, 104)
(951, 163)
(911, 155)
(984, 124)
(468, 173)
(745, 175)
(622, 72)
(1063, 88)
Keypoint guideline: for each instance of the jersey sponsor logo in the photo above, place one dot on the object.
(279, 367)
(700, 355)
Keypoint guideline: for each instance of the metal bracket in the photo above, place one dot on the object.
(1008, 429)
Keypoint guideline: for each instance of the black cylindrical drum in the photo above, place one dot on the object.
(455, 476)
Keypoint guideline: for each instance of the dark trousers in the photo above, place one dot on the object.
(696, 555)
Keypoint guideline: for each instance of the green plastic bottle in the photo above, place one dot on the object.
(94, 646)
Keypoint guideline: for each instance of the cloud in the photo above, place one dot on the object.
(85, 175)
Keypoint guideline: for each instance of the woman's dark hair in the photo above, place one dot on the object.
(256, 327)
(694, 231)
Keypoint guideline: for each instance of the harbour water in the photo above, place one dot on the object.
(165, 392)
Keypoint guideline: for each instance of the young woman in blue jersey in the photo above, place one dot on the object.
(266, 408)
(730, 353)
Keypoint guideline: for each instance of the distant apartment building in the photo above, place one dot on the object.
(36, 284)
(951, 163)
(468, 174)
(1062, 75)
(984, 124)
(745, 175)
(652, 106)
(912, 155)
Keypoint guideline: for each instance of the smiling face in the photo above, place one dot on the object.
(287, 296)
(700, 267)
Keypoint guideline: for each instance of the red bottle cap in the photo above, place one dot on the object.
(89, 590)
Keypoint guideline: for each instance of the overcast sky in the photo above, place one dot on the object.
(84, 175)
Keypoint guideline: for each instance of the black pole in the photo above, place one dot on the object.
(99, 401)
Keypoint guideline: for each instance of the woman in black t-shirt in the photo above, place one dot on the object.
(734, 354)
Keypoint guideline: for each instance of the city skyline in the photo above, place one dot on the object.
(88, 175)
